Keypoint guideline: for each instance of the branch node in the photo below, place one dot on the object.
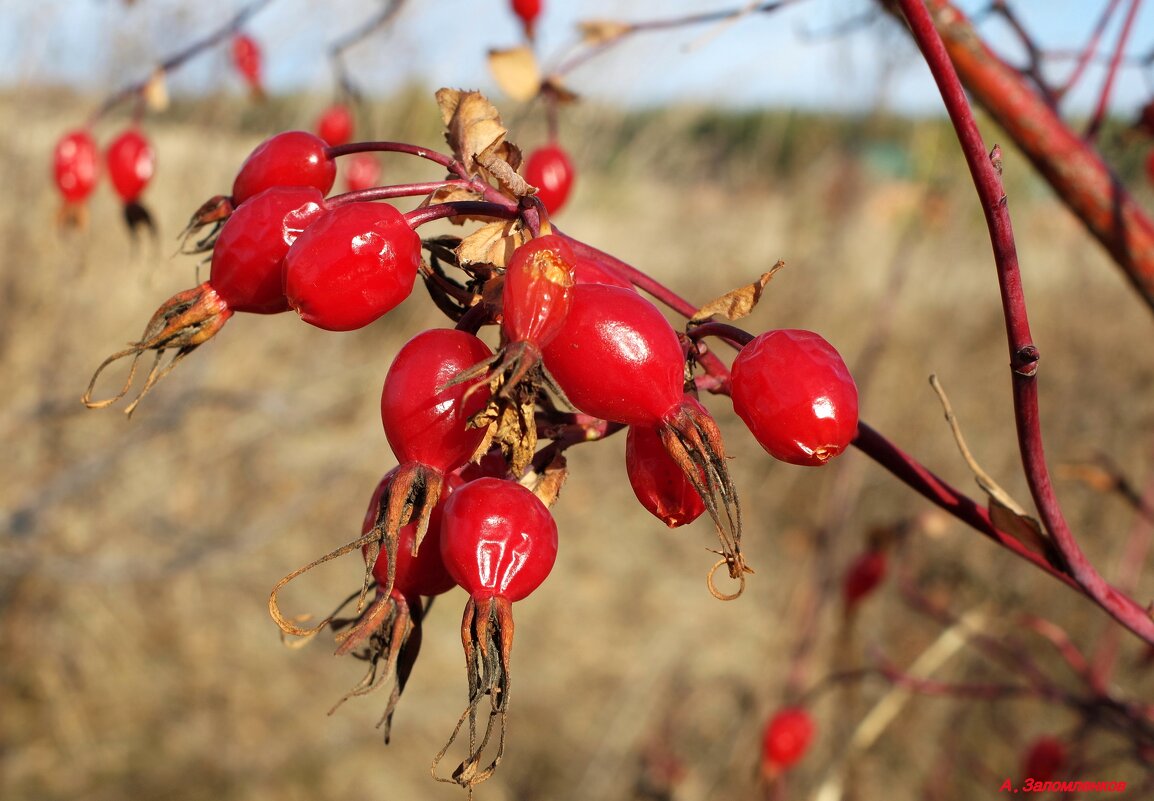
(1026, 361)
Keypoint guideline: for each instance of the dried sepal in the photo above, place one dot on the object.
(492, 243)
(182, 323)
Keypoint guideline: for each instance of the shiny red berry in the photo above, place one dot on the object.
(76, 165)
(424, 420)
(362, 171)
(292, 158)
(616, 356)
(1045, 759)
(538, 290)
(549, 169)
(247, 58)
(335, 125)
(248, 256)
(794, 392)
(658, 482)
(787, 737)
(131, 164)
(351, 266)
(498, 539)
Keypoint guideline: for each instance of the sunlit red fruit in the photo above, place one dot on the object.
(498, 539)
(292, 158)
(335, 124)
(248, 256)
(131, 164)
(362, 171)
(248, 60)
(527, 11)
(658, 482)
(351, 266)
(786, 738)
(795, 394)
(538, 290)
(550, 170)
(76, 165)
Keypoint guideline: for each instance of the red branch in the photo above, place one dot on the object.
(1071, 166)
(1023, 354)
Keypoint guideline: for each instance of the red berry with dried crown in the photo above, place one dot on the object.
(550, 170)
(795, 394)
(498, 539)
(292, 158)
(351, 266)
(616, 357)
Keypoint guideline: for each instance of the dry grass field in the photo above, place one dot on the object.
(137, 658)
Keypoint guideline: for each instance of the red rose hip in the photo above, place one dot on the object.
(351, 266)
(549, 169)
(795, 394)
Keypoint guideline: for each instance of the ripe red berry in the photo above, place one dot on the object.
(1045, 759)
(335, 124)
(794, 392)
(131, 163)
(863, 576)
(351, 266)
(248, 256)
(538, 289)
(425, 421)
(786, 739)
(549, 169)
(76, 165)
(292, 158)
(362, 171)
(498, 539)
(247, 58)
(616, 356)
(658, 481)
(527, 11)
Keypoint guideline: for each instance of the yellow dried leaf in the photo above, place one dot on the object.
(1023, 528)
(516, 72)
(155, 92)
(739, 302)
(493, 243)
(598, 32)
(473, 126)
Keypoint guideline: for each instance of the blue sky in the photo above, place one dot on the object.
(782, 59)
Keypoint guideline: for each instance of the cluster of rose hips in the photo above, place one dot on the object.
(129, 159)
(581, 355)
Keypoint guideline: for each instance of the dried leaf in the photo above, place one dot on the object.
(155, 92)
(1005, 513)
(501, 165)
(598, 32)
(493, 243)
(548, 483)
(516, 72)
(473, 126)
(738, 303)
